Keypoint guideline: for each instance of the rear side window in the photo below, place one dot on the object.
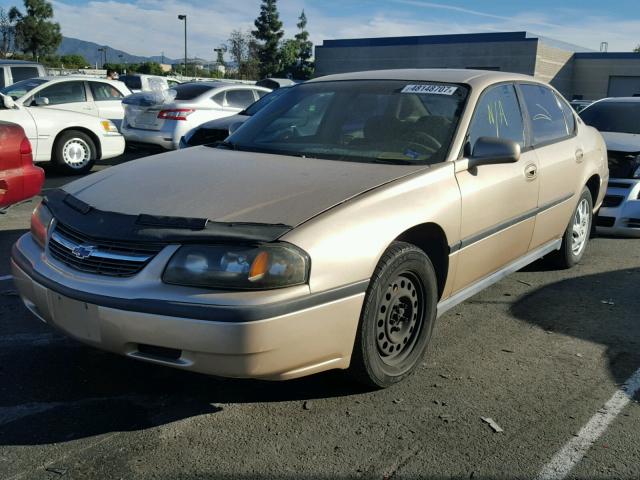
(64, 92)
(546, 115)
(103, 91)
(23, 73)
(189, 91)
(240, 98)
(497, 115)
(131, 81)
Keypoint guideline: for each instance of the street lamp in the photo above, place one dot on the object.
(184, 17)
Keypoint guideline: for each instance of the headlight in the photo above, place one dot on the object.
(41, 219)
(238, 267)
(108, 126)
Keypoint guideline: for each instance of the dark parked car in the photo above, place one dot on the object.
(217, 130)
(19, 178)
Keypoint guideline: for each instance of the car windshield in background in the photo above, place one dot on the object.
(623, 117)
(20, 89)
(264, 101)
(387, 121)
(189, 91)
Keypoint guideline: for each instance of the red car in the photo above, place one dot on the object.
(19, 178)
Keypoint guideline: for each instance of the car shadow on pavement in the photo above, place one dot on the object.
(603, 308)
(54, 389)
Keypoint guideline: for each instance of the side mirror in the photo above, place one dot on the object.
(234, 127)
(493, 150)
(40, 101)
(8, 102)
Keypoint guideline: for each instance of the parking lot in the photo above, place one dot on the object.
(541, 353)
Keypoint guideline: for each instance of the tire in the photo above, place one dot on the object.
(576, 236)
(74, 153)
(388, 348)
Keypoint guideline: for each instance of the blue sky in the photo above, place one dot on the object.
(149, 27)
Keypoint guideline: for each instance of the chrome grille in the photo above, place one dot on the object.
(101, 257)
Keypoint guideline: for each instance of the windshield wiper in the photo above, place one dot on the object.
(393, 161)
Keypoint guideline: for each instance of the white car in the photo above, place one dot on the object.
(164, 122)
(94, 96)
(618, 120)
(72, 141)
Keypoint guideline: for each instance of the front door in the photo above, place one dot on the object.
(498, 201)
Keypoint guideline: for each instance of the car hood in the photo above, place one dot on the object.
(224, 123)
(230, 186)
(622, 142)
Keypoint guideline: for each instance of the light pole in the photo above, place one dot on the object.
(100, 50)
(184, 17)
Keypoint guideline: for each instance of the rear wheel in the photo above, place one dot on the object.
(74, 153)
(397, 317)
(576, 236)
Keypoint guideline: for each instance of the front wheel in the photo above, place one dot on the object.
(74, 153)
(576, 236)
(397, 317)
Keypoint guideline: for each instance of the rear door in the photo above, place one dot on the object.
(68, 95)
(108, 101)
(498, 201)
(559, 154)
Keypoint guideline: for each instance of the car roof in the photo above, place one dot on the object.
(65, 78)
(448, 75)
(620, 99)
(17, 62)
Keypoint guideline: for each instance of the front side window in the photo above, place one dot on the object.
(64, 92)
(23, 73)
(385, 121)
(103, 92)
(545, 113)
(240, 98)
(498, 115)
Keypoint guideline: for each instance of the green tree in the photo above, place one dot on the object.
(6, 34)
(305, 49)
(150, 68)
(637, 49)
(289, 58)
(35, 32)
(268, 33)
(73, 61)
(243, 49)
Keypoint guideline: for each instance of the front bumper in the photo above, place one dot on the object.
(111, 146)
(285, 345)
(623, 217)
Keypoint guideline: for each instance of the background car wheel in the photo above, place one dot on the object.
(397, 317)
(576, 237)
(74, 153)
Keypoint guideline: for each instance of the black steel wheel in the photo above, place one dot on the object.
(397, 317)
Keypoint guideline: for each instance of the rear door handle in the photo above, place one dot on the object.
(579, 156)
(530, 171)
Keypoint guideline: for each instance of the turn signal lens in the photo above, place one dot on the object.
(108, 126)
(259, 267)
(41, 219)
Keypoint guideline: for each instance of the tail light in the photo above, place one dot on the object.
(26, 152)
(175, 114)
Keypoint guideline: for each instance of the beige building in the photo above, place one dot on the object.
(576, 71)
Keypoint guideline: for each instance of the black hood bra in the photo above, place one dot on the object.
(147, 228)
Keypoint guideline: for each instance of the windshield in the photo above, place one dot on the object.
(623, 117)
(20, 89)
(389, 121)
(264, 101)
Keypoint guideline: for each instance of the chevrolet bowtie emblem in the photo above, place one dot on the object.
(83, 251)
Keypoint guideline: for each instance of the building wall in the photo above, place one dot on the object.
(519, 57)
(591, 75)
(555, 66)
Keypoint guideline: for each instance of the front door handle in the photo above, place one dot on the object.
(579, 155)
(530, 171)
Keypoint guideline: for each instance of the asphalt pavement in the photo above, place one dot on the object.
(546, 355)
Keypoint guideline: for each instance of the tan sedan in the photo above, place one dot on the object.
(328, 232)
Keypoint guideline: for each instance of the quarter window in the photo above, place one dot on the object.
(498, 115)
(64, 92)
(545, 113)
(568, 115)
(104, 92)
